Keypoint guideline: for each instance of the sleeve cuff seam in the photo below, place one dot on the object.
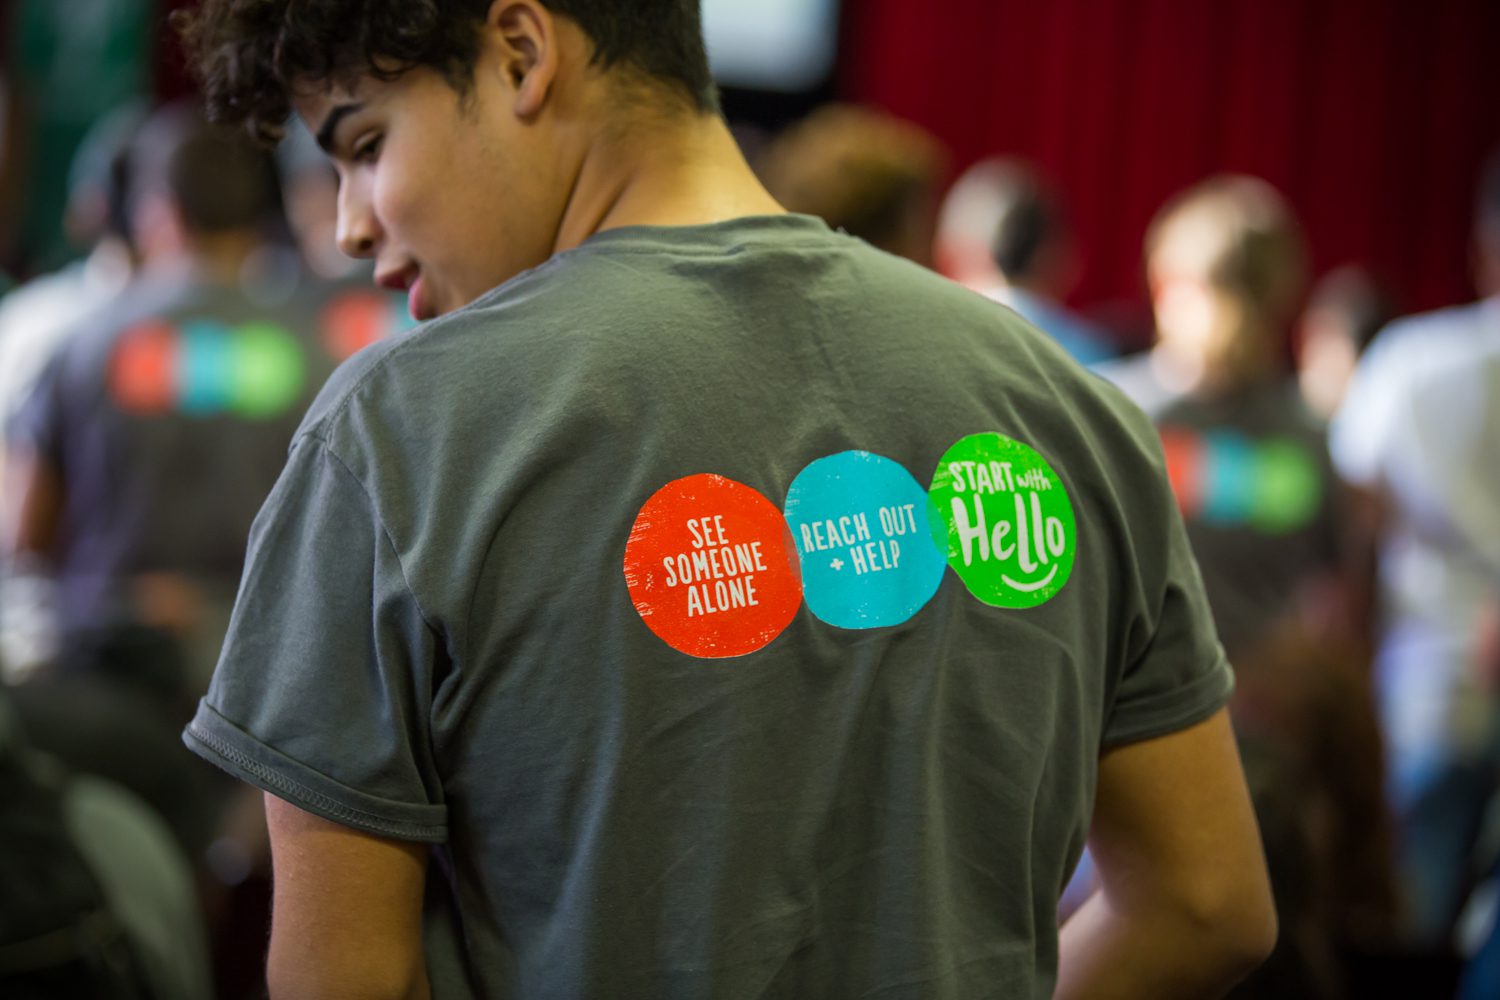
(1184, 707)
(298, 793)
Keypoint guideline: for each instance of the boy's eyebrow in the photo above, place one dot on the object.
(331, 124)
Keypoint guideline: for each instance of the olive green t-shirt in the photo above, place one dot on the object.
(740, 611)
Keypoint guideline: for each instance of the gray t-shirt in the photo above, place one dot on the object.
(739, 610)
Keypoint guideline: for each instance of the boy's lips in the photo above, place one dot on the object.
(408, 280)
(420, 310)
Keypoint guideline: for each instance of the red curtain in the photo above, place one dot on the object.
(1372, 116)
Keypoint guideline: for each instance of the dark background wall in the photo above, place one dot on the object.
(1372, 116)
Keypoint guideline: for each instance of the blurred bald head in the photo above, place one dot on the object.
(1002, 223)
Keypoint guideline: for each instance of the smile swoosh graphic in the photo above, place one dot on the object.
(1030, 588)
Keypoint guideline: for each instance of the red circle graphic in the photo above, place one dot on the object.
(354, 321)
(711, 567)
(143, 370)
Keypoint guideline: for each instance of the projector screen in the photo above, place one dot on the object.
(785, 45)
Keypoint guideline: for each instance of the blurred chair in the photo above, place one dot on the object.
(99, 898)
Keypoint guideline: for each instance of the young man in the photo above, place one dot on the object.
(610, 613)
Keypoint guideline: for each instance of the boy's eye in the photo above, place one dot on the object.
(366, 150)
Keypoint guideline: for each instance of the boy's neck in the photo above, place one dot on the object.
(684, 173)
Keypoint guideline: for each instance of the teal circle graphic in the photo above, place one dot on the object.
(859, 522)
(205, 367)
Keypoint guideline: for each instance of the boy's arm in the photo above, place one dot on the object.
(346, 918)
(1184, 907)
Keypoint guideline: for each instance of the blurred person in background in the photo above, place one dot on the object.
(1003, 231)
(1418, 433)
(862, 171)
(1249, 463)
(1344, 311)
(150, 441)
(1304, 712)
(65, 65)
(37, 316)
(1289, 806)
(1479, 923)
(310, 190)
(139, 461)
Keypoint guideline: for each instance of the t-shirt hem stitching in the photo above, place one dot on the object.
(279, 782)
(1185, 707)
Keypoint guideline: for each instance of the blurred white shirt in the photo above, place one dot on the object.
(1421, 424)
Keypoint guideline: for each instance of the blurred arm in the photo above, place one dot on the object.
(1184, 907)
(33, 501)
(346, 918)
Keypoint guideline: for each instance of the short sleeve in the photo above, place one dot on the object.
(1176, 674)
(322, 695)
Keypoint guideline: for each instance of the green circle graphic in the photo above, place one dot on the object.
(268, 372)
(1004, 519)
(1288, 488)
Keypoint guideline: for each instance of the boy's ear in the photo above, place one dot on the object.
(524, 34)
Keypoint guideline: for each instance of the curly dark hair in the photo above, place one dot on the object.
(248, 54)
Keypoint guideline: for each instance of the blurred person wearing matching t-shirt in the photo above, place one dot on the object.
(1248, 460)
(151, 439)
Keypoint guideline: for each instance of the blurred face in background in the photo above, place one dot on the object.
(312, 209)
(1225, 263)
(1345, 311)
(863, 171)
(1203, 327)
